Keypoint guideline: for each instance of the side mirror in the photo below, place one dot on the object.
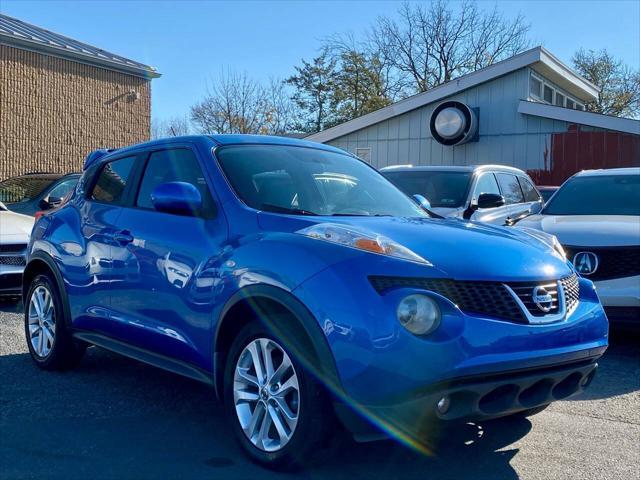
(179, 198)
(490, 200)
(50, 202)
(422, 201)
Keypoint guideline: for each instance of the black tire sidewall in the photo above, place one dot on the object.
(310, 429)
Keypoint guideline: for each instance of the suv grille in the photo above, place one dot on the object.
(489, 298)
(13, 260)
(13, 247)
(613, 262)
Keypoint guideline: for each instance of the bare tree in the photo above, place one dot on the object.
(236, 103)
(619, 85)
(172, 127)
(433, 45)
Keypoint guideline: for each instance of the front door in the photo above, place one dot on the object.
(487, 183)
(166, 305)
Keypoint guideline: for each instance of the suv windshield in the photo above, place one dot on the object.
(442, 189)
(597, 195)
(23, 189)
(308, 181)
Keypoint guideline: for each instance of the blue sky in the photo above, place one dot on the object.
(190, 42)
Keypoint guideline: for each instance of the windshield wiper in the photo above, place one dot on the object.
(361, 215)
(278, 209)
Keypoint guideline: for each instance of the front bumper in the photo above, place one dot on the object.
(11, 282)
(480, 397)
(621, 299)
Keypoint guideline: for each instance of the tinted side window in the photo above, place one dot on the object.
(61, 190)
(174, 165)
(486, 184)
(510, 188)
(112, 180)
(530, 192)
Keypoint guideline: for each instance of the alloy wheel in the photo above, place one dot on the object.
(266, 394)
(42, 324)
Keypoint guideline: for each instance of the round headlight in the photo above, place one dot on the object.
(419, 314)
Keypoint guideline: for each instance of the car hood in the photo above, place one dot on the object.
(14, 227)
(588, 230)
(462, 250)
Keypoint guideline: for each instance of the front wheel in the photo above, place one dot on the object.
(278, 411)
(48, 338)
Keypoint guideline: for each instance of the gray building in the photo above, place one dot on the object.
(526, 111)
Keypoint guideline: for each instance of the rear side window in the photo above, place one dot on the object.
(510, 188)
(530, 192)
(112, 181)
(174, 165)
(486, 184)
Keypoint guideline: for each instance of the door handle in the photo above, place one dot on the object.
(123, 237)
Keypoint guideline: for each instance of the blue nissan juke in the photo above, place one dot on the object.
(304, 287)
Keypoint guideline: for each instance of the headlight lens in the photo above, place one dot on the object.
(360, 239)
(419, 314)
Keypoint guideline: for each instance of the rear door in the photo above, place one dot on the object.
(90, 272)
(487, 183)
(532, 199)
(165, 305)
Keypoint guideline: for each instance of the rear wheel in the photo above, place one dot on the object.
(48, 338)
(278, 411)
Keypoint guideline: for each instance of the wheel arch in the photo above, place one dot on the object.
(40, 263)
(266, 303)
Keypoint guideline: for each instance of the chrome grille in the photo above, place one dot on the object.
(493, 299)
(13, 260)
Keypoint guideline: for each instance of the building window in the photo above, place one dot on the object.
(364, 154)
(536, 87)
(548, 94)
(579, 106)
(559, 99)
(571, 103)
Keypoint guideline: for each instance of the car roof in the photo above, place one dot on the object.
(47, 176)
(224, 140)
(451, 168)
(609, 171)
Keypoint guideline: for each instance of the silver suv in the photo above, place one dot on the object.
(487, 193)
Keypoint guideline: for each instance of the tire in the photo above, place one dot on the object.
(48, 338)
(256, 401)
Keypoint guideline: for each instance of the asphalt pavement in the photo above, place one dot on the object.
(115, 418)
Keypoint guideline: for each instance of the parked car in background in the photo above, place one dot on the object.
(486, 193)
(303, 285)
(596, 216)
(28, 194)
(546, 191)
(14, 237)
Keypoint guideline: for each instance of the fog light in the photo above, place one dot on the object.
(443, 405)
(419, 314)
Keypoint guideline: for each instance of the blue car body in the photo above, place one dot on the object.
(157, 287)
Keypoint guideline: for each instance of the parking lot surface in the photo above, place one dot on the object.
(115, 418)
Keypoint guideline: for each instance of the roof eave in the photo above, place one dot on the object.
(79, 57)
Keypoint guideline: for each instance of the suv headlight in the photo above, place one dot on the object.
(419, 314)
(361, 240)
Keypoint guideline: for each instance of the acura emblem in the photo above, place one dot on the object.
(586, 263)
(542, 299)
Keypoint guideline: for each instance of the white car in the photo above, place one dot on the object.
(596, 216)
(15, 230)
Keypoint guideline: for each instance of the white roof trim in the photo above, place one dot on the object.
(619, 124)
(522, 60)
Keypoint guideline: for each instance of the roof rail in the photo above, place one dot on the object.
(95, 156)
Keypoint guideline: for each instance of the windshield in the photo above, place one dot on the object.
(597, 195)
(22, 189)
(442, 189)
(307, 181)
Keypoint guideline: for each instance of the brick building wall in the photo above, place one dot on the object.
(54, 111)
